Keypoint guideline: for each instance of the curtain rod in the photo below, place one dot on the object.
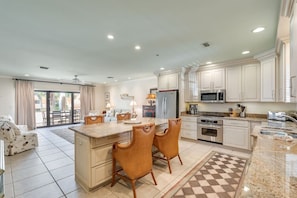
(45, 81)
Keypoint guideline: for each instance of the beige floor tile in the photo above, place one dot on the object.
(8, 177)
(21, 174)
(45, 147)
(49, 152)
(29, 184)
(59, 163)
(9, 191)
(52, 157)
(51, 191)
(102, 193)
(68, 184)
(19, 165)
(63, 172)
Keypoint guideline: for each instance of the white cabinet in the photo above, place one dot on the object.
(191, 86)
(293, 54)
(268, 80)
(243, 83)
(93, 159)
(233, 84)
(236, 134)
(168, 82)
(212, 79)
(251, 82)
(283, 73)
(189, 127)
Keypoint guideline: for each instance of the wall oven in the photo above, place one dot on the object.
(210, 129)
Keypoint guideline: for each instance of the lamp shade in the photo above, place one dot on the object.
(151, 96)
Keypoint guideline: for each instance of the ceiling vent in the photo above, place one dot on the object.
(206, 44)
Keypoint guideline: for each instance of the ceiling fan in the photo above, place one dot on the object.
(76, 79)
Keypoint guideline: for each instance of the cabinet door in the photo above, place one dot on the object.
(268, 80)
(251, 82)
(293, 54)
(168, 82)
(206, 80)
(218, 79)
(162, 82)
(101, 174)
(172, 81)
(233, 84)
(237, 137)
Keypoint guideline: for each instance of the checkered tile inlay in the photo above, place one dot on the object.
(218, 177)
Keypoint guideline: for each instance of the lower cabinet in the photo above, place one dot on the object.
(189, 127)
(236, 133)
(93, 159)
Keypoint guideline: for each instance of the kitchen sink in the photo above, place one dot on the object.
(278, 133)
(277, 128)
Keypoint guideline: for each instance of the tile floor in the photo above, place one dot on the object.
(48, 171)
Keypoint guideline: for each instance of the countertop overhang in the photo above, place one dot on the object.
(114, 127)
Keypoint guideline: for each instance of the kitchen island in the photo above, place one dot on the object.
(93, 148)
(272, 170)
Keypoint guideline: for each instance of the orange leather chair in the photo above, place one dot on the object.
(167, 142)
(124, 116)
(135, 158)
(94, 119)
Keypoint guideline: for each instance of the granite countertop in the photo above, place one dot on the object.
(114, 127)
(272, 169)
(225, 116)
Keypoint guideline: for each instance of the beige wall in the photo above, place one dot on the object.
(137, 88)
(7, 96)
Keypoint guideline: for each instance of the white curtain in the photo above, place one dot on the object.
(25, 105)
(87, 100)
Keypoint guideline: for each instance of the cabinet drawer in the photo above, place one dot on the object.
(189, 125)
(101, 174)
(189, 119)
(101, 155)
(239, 123)
(110, 139)
(189, 134)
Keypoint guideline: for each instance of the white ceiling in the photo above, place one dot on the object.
(70, 36)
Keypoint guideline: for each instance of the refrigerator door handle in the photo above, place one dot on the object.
(162, 115)
(165, 106)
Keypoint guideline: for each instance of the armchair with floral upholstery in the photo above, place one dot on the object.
(16, 138)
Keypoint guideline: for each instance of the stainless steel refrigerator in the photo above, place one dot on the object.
(167, 104)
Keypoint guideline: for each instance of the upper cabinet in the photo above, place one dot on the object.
(168, 82)
(243, 83)
(293, 54)
(268, 80)
(212, 79)
(283, 73)
(191, 86)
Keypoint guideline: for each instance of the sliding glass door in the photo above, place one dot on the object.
(56, 108)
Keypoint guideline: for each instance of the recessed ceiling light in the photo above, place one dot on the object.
(162, 68)
(26, 75)
(129, 78)
(209, 62)
(110, 36)
(245, 52)
(137, 47)
(258, 29)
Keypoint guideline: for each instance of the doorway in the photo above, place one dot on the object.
(54, 108)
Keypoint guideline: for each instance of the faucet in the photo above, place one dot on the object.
(289, 117)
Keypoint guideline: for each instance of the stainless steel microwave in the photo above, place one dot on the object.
(213, 96)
